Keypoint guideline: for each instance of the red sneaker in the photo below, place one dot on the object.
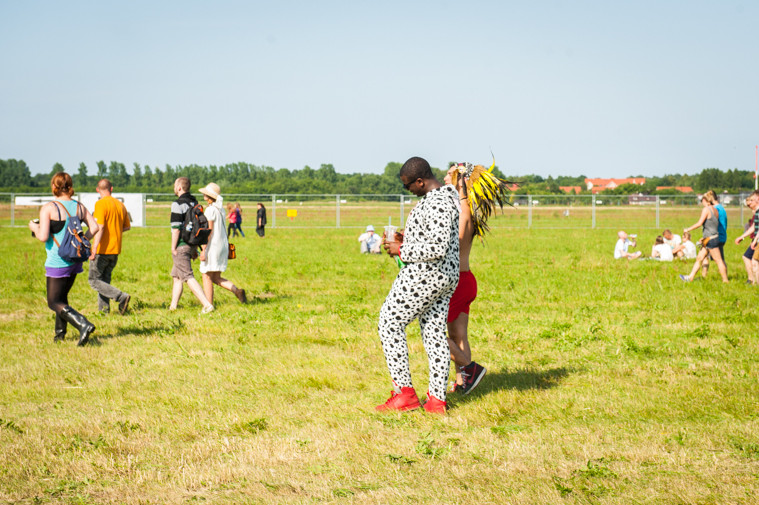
(405, 400)
(433, 405)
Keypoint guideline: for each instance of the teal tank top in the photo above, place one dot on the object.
(53, 260)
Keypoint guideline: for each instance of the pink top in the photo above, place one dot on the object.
(232, 217)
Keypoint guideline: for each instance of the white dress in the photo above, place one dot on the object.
(217, 251)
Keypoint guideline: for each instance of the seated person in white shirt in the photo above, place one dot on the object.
(661, 251)
(671, 239)
(686, 250)
(623, 244)
(370, 241)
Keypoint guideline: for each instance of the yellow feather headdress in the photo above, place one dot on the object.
(485, 192)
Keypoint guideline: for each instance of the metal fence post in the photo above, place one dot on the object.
(13, 210)
(337, 211)
(593, 211)
(529, 211)
(401, 219)
(657, 211)
(273, 211)
(144, 210)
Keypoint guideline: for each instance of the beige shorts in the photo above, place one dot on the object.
(756, 254)
(182, 268)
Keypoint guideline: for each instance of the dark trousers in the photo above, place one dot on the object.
(100, 279)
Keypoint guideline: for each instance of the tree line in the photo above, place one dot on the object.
(247, 178)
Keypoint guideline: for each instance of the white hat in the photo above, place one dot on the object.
(212, 190)
(370, 228)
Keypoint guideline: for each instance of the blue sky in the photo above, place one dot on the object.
(552, 87)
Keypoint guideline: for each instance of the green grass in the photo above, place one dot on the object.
(608, 381)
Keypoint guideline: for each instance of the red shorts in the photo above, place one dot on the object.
(463, 297)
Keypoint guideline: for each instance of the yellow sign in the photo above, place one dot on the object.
(291, 213)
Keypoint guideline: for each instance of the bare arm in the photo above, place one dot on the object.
(203, 247)
(41, 230)
(704, 216)
(174, 240)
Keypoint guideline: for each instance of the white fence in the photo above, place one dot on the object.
(356, 211)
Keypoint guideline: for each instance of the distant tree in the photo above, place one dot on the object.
(14, 173)
(57, 168)
(147, 179)
(81, 177)
(137, 175)
(102, 169)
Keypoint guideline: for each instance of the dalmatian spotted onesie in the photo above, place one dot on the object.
(423, 288)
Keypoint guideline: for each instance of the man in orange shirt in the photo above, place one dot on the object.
(113, 219)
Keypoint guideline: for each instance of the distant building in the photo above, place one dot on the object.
(641, 199)
(598, 185)
(571, 189)
(681, 189)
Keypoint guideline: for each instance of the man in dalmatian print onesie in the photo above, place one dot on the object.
(422, 289)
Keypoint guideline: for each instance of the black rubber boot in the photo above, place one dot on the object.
(60, 329)
(79, 322)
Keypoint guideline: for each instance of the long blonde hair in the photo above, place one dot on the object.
(711, 197)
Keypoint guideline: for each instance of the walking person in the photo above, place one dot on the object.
(214, 254)
(752, 231)
(423, 287)
(232, 218)
(113, 219)
(182, 253)
(468, 373)
(238, 219)
(260, 219)
(59, 273)
(710, 221)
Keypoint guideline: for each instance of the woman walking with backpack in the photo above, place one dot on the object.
(60, 274)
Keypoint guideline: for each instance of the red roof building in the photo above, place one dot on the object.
(571, 189)
(598, 185)
(681, 189)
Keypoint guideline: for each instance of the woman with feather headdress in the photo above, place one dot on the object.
(479, 192)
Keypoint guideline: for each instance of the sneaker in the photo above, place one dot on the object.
(472, 374)
(207, 309)
(433, 405)
(124, 304)
(405, 400)
(684, 278)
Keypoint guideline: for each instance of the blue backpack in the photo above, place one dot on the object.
(74, 248)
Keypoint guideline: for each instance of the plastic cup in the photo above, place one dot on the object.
(390, 233)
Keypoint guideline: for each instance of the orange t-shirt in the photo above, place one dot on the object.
(112, 216)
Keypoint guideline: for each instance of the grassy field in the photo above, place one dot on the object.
(608, 382)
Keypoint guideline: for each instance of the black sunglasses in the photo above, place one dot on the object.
(406, 186)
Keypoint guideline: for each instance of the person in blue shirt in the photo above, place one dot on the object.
(721, 224)
(59, 273)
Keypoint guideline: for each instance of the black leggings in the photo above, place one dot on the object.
(58, 292)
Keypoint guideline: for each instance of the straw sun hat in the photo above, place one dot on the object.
(212, 190)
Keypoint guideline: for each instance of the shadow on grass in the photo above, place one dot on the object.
(521, 380)
(160, 329)
(264, 298)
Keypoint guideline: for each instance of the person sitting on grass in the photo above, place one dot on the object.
(671, 239)
(661, 251)
(686, 250)
(370, 241)
(621, 250)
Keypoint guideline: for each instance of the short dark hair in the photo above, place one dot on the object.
(416, 168)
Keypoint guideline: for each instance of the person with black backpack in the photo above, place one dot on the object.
(189, 229)
(67, 246)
